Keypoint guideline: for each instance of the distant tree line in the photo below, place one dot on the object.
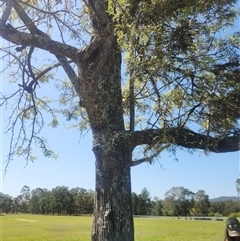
(179, 201)
(61, 200)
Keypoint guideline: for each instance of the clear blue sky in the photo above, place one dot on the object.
(215, 174)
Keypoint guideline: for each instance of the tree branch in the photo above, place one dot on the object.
(92, 7)
(142, 160)
(7, 11)
(97, 40)
(70, 73)
(34, 30)
(184, 138)
(27, 21)
(11, 34)
(131, 102)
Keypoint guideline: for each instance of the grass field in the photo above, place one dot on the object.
(67, 228)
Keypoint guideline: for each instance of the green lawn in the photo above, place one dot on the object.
(53, 228)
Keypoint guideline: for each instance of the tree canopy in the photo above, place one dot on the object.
(182, 71)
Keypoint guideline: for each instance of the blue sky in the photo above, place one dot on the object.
(215, 173)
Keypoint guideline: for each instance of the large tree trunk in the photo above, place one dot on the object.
(113, 207)
(100, 86)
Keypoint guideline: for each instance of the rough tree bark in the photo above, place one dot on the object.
(101, 96)
(99, 69)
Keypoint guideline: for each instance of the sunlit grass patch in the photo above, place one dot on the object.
(45, 228)
(72, 228)
(165, 229)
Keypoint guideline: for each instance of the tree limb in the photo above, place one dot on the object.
(184, 138)
(131, 102)
(70, 73)
(11, 34)
(140, 161)
(27, 21)
(97, 40)
(7, 11)
(62, 59)
(92, 7)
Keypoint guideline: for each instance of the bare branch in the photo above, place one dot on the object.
(5, 99)
(62, 60)
(131, 102)
(188, 114)
(142, 160)
(58, 20)
(45, 71)
(7, 11)
(27, 21)
(9, 33)
(70, 73)
(26, 111)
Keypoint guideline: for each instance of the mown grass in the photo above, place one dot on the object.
(169, 229)
(67, 228)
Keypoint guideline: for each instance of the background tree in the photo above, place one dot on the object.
(24, 199)
(217, 207)
(62, 201)
(179, 200)
(144, 202)
(84, 201)
(41, 202)
(157, 207)
(135, 204)
(75, 192)
(34, 203)
(6, 202)
(230, 207)
(238, 186)
(45, 202)
(188, 199)
(15, 205)
(181, 90)
(141, 203)
(202, 203)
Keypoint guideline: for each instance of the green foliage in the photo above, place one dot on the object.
(77, 201)
(217, 214)
(179, 201)
(202, 203)
(141, 204)
(60, 200)
(5, 203)
(232, 215)
(30, 111)
(181, 66)
(157, 207)
(211, 214)
(225, 208)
